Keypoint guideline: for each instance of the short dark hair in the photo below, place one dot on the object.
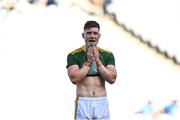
(90, 24)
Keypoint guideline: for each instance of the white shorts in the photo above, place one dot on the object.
(92, 108)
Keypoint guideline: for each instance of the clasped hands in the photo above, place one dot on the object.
(93, 54)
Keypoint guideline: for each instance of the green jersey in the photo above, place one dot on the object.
(79, 57)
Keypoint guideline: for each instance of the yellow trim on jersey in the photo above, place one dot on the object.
(103, 50)
(84, 49)
(78, 50)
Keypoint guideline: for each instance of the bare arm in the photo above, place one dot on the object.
(108, 73)
(76, 74)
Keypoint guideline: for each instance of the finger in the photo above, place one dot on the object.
(96, 53)
(90, 56)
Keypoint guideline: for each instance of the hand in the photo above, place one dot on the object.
(96, 56)
(90, 57)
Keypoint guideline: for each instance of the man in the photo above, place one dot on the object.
(147, 108)
(89, 67)
(169, 109)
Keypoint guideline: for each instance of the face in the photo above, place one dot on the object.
(91, 34)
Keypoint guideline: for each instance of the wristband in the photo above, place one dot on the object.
(99, 63)
(88, 63)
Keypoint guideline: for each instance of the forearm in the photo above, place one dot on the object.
(79, 74)
(107, 74)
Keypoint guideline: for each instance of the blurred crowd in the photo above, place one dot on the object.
(95, 7)
(169, 109)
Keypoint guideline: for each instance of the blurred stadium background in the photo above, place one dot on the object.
(37, 35)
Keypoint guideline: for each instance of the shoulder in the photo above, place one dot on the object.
(104, 51)
(78, 50)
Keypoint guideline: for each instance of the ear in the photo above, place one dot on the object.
(83, 35)
(99, 35)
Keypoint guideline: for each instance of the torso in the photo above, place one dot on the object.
(91, 86)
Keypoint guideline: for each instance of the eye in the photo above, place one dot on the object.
(95, 33)
(88, 33)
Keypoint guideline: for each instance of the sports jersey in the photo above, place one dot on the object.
(79, 57)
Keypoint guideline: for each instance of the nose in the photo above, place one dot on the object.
(92, 35)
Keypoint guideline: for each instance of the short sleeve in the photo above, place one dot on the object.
(71, 60)
(111, 59)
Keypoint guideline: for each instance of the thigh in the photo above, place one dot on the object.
(83, 111)
(102, 110)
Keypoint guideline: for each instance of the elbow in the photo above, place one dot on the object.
(112, 81)
(73, 80)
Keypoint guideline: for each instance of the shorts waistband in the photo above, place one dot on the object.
(92, 98)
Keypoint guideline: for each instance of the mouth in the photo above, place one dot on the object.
(90, 43)
(91, 40)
